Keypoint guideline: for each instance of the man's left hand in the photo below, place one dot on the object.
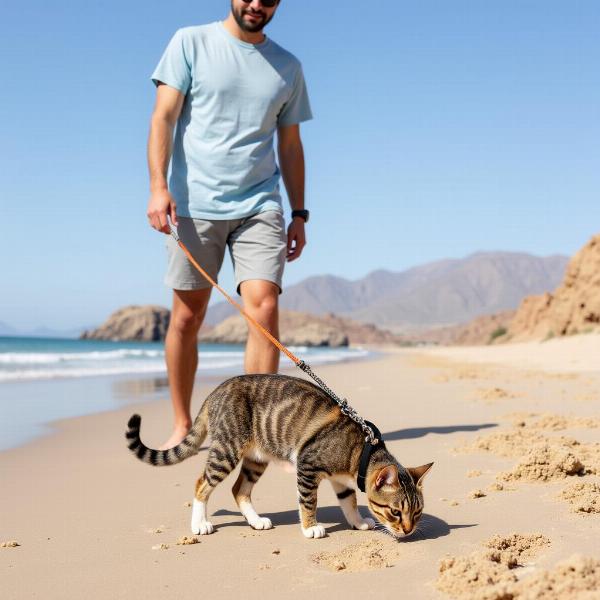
(296, 239)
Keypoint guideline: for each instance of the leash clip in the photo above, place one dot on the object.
(173, 230)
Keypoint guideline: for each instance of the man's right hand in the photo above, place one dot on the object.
(160, 206)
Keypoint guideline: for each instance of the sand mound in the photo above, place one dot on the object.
(366, 556)
(473, 576)
(577, 577)
(160, 547)
(476, 577)
(515, 548)
(492, 394)
(542, 457)
(498, 486)
(555, 422)
(511, 444)
(556, 459)
(583, 497)
(477, 494)
(10, 544)
(545, 462)
(489, 574)
(186, 541)
(590, 455)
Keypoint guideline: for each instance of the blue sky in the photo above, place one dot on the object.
(441, 128)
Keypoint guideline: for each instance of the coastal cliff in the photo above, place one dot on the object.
(304, 329)
(150, 323)
(574, 307)
(133, 323)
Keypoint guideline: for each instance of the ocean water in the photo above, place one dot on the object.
(43, 380)
(28, 359)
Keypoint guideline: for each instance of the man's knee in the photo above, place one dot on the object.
(188, 312)
(261, 301)
(185, 323)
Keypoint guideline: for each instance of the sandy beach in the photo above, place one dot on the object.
(513, 493)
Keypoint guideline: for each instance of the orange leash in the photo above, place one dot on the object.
(371, 439)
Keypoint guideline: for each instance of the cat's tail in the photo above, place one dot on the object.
(189, 446)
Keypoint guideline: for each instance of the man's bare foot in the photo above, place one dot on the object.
(179, 432)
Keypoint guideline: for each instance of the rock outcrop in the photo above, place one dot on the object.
(574, 307)
(303, 329)
(133, 323)
(150, 323)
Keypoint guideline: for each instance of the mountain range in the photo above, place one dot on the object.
(436, 294)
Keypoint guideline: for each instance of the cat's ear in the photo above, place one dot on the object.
(387, 476)
(417, 473)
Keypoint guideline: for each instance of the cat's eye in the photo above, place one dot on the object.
(395, 512)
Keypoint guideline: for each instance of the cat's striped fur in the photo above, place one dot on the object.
(259, 418)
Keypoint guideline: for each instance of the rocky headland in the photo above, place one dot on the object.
(133, 324)
(150, 323)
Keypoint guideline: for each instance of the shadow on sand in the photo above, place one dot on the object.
(430, 527)
(416, 432)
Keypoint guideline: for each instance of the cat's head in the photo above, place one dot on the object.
(395, 497)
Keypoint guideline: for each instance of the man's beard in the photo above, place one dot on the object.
(250, 27)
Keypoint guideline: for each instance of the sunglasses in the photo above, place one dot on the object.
(265, 3)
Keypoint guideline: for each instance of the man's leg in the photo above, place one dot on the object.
(258, 249)
(261, 303)
(181, 350)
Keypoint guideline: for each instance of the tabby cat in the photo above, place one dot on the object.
(259, 418)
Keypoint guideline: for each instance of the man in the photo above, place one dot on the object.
(227, 88)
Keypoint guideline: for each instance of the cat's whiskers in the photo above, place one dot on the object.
(385, 529)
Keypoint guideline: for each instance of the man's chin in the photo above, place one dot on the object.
(253, 25)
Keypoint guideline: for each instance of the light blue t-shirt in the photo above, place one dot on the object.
(236, 95)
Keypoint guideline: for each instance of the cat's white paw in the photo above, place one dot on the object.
(317, 531)
(203, 528)
(365, 524)
(200, 526)
(261, 523)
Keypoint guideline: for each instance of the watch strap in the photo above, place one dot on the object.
(302, 213)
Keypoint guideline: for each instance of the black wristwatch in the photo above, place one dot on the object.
(303, 214)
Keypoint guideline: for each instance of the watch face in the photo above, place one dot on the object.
(301, 213)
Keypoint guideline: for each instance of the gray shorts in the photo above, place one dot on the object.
(257, 246)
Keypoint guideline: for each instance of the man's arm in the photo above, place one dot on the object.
(167, 109)
(291, 161)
